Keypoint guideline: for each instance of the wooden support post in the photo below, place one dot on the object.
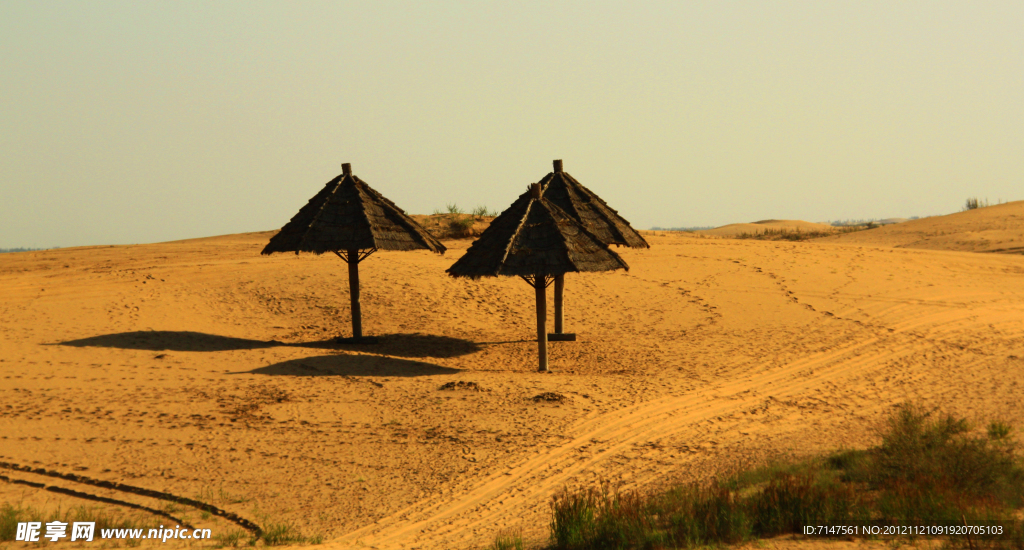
(559, 287)
(542, 317)
(558, 335)
(346, 169)
(353, 290)
(557, 165)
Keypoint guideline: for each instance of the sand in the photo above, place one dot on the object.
(203, 369)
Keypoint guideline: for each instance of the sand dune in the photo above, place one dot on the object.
(991, 229)
(440, 225)
(734, 229)
(202, 369)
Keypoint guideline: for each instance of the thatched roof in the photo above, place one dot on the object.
(535, 237)
(588, 209)
(348, 214)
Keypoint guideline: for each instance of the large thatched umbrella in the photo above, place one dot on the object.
(594, 214)
(538, 241)
(352, 220)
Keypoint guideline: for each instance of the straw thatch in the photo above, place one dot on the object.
(589, 209)
(347, 214)
(535, 238)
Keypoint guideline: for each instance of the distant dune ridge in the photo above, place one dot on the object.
(998, 228)
(734, 229)
(201, 369)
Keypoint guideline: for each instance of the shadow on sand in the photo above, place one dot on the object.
(397, 345)
(351, 365)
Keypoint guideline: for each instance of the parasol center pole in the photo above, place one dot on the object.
(559, 288)
(346, 169)
(558, 166)
(535, 191)
(353, 291)
(542, 317)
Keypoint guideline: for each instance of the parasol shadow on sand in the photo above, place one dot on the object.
(350, 219)
(411, 345)
(168, 340)
(396, 345)
(536, 240)
(352, 365)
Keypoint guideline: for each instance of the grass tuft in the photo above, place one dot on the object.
(482, 211)
(281, 534)
(231, 538)
(508, 539)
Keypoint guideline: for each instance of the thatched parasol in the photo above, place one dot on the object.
(595, 215)
(352, 220)
(538, 241)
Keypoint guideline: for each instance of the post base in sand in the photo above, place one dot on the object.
(561, 337)
(350, 340)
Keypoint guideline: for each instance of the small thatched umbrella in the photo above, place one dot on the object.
(594, 214)
(536, 240)
(352, 220)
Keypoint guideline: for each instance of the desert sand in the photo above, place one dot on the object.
(203, 369)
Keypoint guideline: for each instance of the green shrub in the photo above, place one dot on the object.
(941, 453)
(973, 203)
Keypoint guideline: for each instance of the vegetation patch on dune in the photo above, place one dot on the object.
(927, 471)
(798, 235)
(454, 223)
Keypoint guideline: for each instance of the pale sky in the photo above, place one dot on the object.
(136, 121)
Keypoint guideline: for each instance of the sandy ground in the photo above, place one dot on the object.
(202, 369)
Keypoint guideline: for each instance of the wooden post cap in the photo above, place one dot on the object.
(558, 166)
(346, 169)
(535, 187)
